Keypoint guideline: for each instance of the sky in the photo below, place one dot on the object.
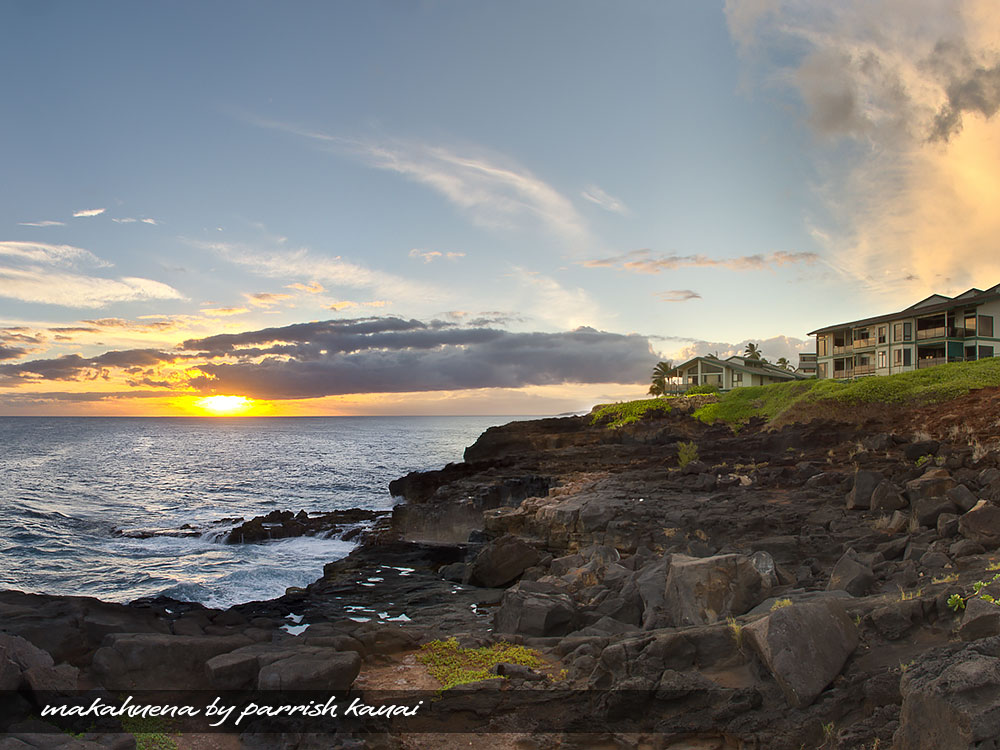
(458, 207)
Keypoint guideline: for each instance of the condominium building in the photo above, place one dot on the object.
(729, 373)
(933, 331)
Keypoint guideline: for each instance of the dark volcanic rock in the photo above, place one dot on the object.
(886, 498)
(951, 699)
(700, 591)
(281, 524)
(981, 525)
(851, 575)
(804, 646)
(865, 482)
(501, 562)
(535, 611)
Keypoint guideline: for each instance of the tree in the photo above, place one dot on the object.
(752, 351)
(658, 387)
(783, 363)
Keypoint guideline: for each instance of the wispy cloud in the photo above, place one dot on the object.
(544, 298)
(311, 288)
(913, 202)
(317, 269)
(46, 223)
(224, 312)
(266, 299)
(492, 189)
(678, 295)
(429, 255)
(608, 202)
(133, 220)
(88, 212)
(645, 261)
(38, 272)
(76, 290)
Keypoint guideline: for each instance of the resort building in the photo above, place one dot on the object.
(807, 364)
(726, 374)
(933, 331)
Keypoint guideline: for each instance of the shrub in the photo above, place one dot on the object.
(627, 412)
(686, 453)
(699, 389)
(451, 665)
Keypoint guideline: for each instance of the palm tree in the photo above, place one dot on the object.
(783, 363)
(658, 387)
(752, 351)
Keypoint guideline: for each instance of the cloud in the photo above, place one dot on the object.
(772, 348)
(905, 113)
(645, 261)
(546, 299)
(39, 252)
(88, 212)
(222, 312)
(46, 223)
(72, 367)
(311, 288)
(147, 220)
(18, 342)
(132, 220)
(678, 295)
(608, 202)
(302, 263)
(74, 290)
(383, 355)
(493, 190)
(428, 255)
(266, 299)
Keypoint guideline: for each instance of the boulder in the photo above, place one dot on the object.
(502, 561)
(23, 654)
(804, 646)
(894, 620)
(951, 699)
(966, 547)
(928, 509)
(886, 498)
(923, 448)
(934, 483)
(233, 671)
(61, 679)
(336, 671)
(947, 525)
(962, 497)
(981, 619)
(981, 525)
(851, 575)
(147, 661)
(865, 482)
(704, 590)
(535, 613)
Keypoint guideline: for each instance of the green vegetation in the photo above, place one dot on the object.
(658, 386)
(150, 734)
(925, 386)
(736, 631)
(451, 665)
(956, 602)
(686, 453)
(780, 603)
(701, 389)
(627, 412)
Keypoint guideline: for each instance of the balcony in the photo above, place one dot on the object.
(930, 362)
(860, 370)
(864, 343)
(842, 350)
(843, 373)
(943, 332)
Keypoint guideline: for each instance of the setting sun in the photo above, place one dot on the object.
(225, 404)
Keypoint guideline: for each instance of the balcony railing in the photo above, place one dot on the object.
(864, 343)
(843, 373)
(842, 350)
(930, 362)
(942, 332)
(864, 370)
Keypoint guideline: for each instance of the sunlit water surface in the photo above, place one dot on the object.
(68, 484)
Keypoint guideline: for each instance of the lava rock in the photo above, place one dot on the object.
(981, 524)
(701, 591)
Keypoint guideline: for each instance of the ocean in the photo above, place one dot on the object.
(77, 495)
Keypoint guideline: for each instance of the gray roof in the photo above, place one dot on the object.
(932, 304)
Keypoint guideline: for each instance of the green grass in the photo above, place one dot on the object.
(931, 385)
(149, 733)
(627, 412)
(451, 665)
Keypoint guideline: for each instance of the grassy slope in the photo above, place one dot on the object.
(920, 386)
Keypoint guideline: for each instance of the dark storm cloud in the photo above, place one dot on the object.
(970, 87)
(488, 359)
(11, 352)
(75, 367)
(366, 355)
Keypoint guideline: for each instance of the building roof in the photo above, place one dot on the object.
(932, 304)
(739, 363)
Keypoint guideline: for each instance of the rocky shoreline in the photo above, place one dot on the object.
(787, 588)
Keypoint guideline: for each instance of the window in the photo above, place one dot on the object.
(821, 370)
(882, 359)
(986, 325)
(882, 330)
(985, 351)
(737, 378)
(897, 332)
(821, 346)
(906, 357)
(907, 331)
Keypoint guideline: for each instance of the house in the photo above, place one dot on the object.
(935, 330)
(726, 374)
(807, 364)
